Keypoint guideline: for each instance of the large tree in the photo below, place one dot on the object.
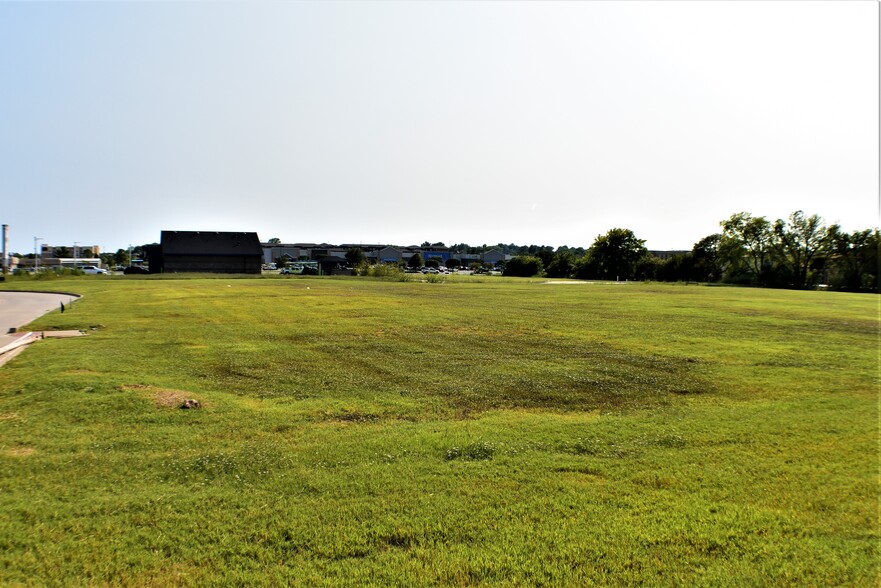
(853, 259)
(121, 257)
(613, 256)
(707, 264)
(562, 264)
(798, 242)
(355, 256)
(749, 238)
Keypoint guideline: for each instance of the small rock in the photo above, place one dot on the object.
(191, 403)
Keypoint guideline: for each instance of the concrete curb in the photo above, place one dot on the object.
(21, 339)
(44, 292)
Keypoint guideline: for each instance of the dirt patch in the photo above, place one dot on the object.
(162, 397)
(19, 451)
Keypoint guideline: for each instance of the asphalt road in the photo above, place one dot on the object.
(20, 308)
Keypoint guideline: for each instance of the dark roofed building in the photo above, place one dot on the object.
(332, 264)
(210, 252)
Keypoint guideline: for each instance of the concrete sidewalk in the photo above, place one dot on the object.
(21, 308)
(13, 344)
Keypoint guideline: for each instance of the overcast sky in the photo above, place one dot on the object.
(400, 122)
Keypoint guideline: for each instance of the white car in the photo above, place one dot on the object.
(92, 270)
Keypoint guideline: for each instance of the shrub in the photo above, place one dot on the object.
(523, 266)
(435, 278)
(387, 271)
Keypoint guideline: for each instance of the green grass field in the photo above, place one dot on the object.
(505, 432)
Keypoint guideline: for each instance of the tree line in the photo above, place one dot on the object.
(799, 252)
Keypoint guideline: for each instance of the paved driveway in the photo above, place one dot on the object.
(20, 308)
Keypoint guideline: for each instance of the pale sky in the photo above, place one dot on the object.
(399, 122)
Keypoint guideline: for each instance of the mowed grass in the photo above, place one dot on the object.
(504, 432)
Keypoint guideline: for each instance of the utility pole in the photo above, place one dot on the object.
(5, 248)
(36, 255)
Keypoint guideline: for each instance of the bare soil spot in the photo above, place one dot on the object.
(19, 451)
(162, 397)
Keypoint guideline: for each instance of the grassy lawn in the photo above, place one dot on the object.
(496, 432)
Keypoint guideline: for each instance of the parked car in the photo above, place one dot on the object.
(135, 269)
(93, 270)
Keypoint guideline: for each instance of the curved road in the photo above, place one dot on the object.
(20, 308)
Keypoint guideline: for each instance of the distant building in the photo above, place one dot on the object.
(435, 251)
(272, 252)
(376, 253)
(209, 252)
(389, 255)
(74, 251)
(493, 256)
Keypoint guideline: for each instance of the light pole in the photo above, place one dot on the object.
(130, 254)
(75, 253)
(36, 255)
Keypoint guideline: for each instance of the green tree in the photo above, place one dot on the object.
(677, 268)
(798, 242)
(853, 259)
(613, 256)
(282, 261)
(355, 257)
(562, 265)
(706, 263)
(545, 254)
(62, 252)
(274, 241)
(433, 262)
(750, 240)
(121, 257)
(524, 266)
(415, 261)
(451, 263)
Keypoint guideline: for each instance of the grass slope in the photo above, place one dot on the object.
(505, 432)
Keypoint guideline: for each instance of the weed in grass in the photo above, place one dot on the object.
(602, 448)
(477, 451)
(247, 465)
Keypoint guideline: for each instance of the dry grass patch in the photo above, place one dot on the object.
(19, 451)
(161, 397)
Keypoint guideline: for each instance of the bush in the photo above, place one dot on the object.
(523, 266)
(435, 278)
(384, 270)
